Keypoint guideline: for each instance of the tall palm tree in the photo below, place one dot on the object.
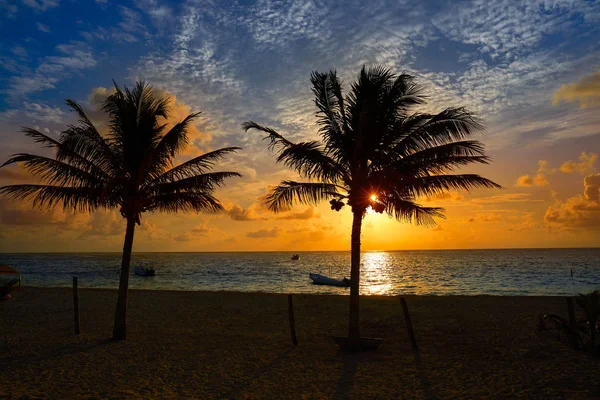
(375, 152)
(130, 168)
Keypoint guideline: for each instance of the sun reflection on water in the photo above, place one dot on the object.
(376, 273)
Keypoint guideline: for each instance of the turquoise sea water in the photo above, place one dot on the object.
(443, 272)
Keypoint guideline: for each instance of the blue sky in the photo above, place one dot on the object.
(252, 60)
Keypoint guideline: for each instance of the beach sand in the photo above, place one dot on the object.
(237, 345)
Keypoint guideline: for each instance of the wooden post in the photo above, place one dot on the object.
(292, 321)
(409, 327)
(75, 305)
(573, 335)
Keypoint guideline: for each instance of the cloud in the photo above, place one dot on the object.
(586, 91)
(592, 187)
(41, 5)
(445, 196)
(486, 217)
(584, 166)
(104, 223)
(237, 213)
(578, 212)
(308, 213)
(9, 10)
(537, 180)
(131, 27)
(43, 113)
(43, 28)
(201, 230)
(264, 233)
(70, 58)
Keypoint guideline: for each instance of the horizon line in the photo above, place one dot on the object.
(305, 251)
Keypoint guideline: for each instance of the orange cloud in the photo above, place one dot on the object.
(586, 91)
(584, 166)
(579, 212)
(486, 217)
(237, 213)
(308, 213)
(445, 196)
(264, 233)
(537, 180)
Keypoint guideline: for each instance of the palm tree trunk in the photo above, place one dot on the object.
(120, 326)
(354, 317)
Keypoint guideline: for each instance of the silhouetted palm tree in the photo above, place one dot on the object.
(376, 152)
(130, 168)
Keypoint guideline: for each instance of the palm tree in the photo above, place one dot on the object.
(130, 168)
(376, 153)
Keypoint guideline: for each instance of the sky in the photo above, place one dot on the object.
(530, 69)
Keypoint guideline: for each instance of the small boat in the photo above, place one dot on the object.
(144, 271)
(325, 280)
(296, 257)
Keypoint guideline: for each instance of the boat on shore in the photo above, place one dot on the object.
(319, 279)
(296, 257)
(144, 271)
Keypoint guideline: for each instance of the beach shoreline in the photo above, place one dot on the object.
(188, 344)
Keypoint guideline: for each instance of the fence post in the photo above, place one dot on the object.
(75, 305)
(409, 327)
(292, 321)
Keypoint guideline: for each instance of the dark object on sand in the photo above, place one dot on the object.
(580, 333)
(409, 327)
(144, 271)
(6, 270)
(7, 286)
(366, 343)
(296, 257)
(292, 320)
(75, 306)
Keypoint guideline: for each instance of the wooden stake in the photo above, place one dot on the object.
(75, 305)
(409, 327)
(292, 321)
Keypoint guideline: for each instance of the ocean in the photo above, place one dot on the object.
(509, 272)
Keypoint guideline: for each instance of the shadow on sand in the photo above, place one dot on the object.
(425, 383)
(237, 390)
(61, 351)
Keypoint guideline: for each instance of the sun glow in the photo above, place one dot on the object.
(373, 197)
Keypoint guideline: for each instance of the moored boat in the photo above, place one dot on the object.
(319, 279)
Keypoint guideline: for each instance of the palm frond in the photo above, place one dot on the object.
(197, 165)
(288, 193)
(170, 145)
(435, 184)
(184, 202)
(55, 172)
(408, 211)
(277, 142)
(202, 182)
(449, 125)
(439, 159)
(85, 140)
(65, 154)
(82, 199)
(309, 159)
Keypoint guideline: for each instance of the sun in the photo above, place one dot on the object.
(373, 197)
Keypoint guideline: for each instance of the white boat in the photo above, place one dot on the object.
(319, 279)
(144, 271)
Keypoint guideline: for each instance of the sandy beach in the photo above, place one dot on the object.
(237, 345)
